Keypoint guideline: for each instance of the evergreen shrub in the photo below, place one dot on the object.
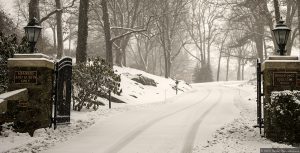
(92, 80)
(9, 45)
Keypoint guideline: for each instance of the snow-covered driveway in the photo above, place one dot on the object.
(175, 125)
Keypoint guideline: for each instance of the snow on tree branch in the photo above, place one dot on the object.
(55, 11)
(131, 31)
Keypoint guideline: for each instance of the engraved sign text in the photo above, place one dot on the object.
(26, 77)
(284, 79)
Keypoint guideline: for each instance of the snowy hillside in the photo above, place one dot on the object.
(134, 92)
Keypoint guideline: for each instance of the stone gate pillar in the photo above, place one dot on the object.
(279, 73)
(36, 73)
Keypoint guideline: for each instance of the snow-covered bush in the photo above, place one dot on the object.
(284, 113)
(92, 80)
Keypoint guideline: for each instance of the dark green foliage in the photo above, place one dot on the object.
(92, 80)
(8, 47)
(203, 73)
(284, 114)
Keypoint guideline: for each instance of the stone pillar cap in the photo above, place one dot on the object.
(283, 58)
(34, 55)
(31, 62)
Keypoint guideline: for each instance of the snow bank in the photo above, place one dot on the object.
(134, 92)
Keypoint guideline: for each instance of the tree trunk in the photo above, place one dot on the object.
(227, 67)
(108, 42)
(81, 50)
(154, 63)
(118, 51)
(54, 37)
(166, 64)
(34, 12)
(34, 9)
(169, 50)
(265, 50)
(123, 49)
(219, 65)
(298, 6)
(70, 39)
(269, 19)
(277, 12)
(289, 46)
(208, 53)
(60, 43)
(160, 66)
(169, 64)
(239, 69)
(124, 58)
(259, 38)
(243, 69)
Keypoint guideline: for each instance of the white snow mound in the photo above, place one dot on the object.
(134, 92)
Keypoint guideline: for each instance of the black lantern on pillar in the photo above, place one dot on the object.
(32, 31)
(281, 33)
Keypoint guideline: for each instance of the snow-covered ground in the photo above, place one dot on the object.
(136, 96)
(239, 136)
(210, 117)
(172, 126)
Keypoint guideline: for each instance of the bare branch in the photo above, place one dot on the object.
(123, 28)
(132, 31)
(237, 56)
(56, 11)
(127, 33)
(192, 54)
(179, 50)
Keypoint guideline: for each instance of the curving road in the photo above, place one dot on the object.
(171, 127)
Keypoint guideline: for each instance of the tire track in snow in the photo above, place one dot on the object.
(191, 136)
(132, 135)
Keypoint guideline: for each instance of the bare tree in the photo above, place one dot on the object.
(258, 13)
(203, 31)
(34, 9)
(124, 17)
(81, 54)
(109, 40)
(291, 9)
(106, 28)
(169, 17)
(221, 49)
(60, 44)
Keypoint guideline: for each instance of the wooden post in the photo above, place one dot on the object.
(258, 72)
(109, 98)
(176, 82)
